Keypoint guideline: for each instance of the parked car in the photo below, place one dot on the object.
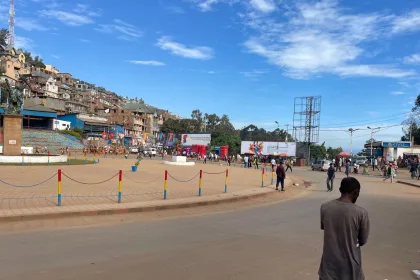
(152, 151)
(134, 150)
(321, 165)
(361, 160)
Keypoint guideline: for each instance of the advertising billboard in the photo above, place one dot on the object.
(267, 148)
(195, 139)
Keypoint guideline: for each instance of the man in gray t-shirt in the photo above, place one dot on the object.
(346, 229)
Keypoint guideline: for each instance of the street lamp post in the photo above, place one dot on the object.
(372, 130)
(278, 137)
(351, 130)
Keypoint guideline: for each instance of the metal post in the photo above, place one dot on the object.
(59, 188)
(165, 184)
(120, 186)
(200, 182)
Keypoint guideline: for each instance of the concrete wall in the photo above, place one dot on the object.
(32, 159)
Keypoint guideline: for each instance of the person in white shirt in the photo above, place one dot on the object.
(246, 161)
(273, 163)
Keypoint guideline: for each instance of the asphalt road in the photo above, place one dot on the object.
(276, 241)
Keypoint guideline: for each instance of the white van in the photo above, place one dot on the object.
(152, 151)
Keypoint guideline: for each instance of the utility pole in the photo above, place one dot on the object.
(411, 135)
(372, 130)
(351, 130)
(287, 132)
(278, 130)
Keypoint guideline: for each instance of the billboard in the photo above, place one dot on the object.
(267, 148)
(195, 139)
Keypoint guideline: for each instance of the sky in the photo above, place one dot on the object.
(248, 59)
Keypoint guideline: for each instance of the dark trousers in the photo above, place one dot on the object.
(280, 180)
(289, 167)
(374, 166)
(330, 180)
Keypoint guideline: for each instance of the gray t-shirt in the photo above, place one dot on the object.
(345, 226)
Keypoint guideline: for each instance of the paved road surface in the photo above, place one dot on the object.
(276, 241)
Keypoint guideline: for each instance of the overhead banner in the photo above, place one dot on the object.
(195, 139)
(267, 148)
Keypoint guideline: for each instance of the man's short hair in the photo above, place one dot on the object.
(349, 184)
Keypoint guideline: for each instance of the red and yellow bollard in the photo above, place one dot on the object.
(120, 186)
(226, 180)
(165, 184)
(59, 188)
(262, 178)
(200, 182)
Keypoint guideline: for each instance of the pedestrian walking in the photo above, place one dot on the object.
(339, 164)
(348, 168)
(346, 229)
(375, 164)
(389, 173)
(205, 159)
(330, 178)
(281, 176)
(229, 160)
(289, 165)
(273, 163)
(413, 171)
(256, 163)
(246, 161)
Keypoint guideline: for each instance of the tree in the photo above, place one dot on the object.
(318, 151)
(212, 120)
(253, 133)
(4, 33)
(227, 139)
(333, 152)
(34, 62)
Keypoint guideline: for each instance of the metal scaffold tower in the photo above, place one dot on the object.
(306, 120)
(12, 24)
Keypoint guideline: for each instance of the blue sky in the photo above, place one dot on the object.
(245, 58)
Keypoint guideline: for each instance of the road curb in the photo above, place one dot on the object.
(117, 209)
(408, 184)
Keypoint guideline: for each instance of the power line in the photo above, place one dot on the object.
(369, 121)
(359, 136)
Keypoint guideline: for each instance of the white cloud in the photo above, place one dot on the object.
(147, 62)
(321, 37)
(397, 92)
(30, 24)
(412, 59)
(124, 30)
(265, 6)
(67, 18)
(254, 74)
(175, 9)
(85, 40)
(406, 23)
(55, 56)
(194, 52)
(205, 5)
(79, 16)
(84, 9)
(24, 43)
(385, 71)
